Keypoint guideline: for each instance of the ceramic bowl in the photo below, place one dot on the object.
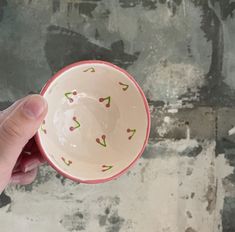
(97, 124)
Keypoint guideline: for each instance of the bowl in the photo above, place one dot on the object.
(97, 124)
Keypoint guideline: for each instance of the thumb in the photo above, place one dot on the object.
(19, 126)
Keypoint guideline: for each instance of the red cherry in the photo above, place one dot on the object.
(101, 99)
(98, 140)
(128, 130)
(103, 137)
(74, 118)
(74, 93)
(108, 105)
(71, 128)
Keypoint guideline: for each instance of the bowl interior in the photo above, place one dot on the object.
(97, 122)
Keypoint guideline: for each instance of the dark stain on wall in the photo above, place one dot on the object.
(191, 151)
(64, 47)
(75, 222)
(225, 145)
(3, 3)
(212, 27)
(85, 7)
(227, 7)
(55, 5)
(115, 223)
(228, 214)
(129, 3)
(190, 229)
(225, 142)
(61, 178)
(4, 200)
(211, 196)
(111, 220)
(103, 217)
(151, 4)
(231, 159)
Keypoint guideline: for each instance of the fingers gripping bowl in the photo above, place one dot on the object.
(97, 124)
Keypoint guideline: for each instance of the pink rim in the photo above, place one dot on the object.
(44, 89)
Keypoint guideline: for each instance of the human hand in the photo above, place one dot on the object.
(19, 156)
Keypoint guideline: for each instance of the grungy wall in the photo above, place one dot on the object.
(182, 53)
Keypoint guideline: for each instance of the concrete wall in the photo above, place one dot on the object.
(182, 53)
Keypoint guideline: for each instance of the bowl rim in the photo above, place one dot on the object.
(95, 181)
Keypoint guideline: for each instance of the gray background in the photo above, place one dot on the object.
(182, 53)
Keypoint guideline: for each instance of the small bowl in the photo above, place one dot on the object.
(98, 122)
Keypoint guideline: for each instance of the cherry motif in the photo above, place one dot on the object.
(106, 168)
(67, 162)
(108, 99)
(133, 131)
(72, 128)
(125, 86)
(91, 69)
(68, 95)
(103, 142)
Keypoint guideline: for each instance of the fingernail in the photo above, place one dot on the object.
(34, 106)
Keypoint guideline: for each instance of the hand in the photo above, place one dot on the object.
(19, 156)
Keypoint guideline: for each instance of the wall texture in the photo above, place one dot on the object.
(182, 53)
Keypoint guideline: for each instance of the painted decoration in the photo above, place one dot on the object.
(69, 95)
(124, 86)
(131, 132)
(77, 124)
(107, 100)
(102, 141)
